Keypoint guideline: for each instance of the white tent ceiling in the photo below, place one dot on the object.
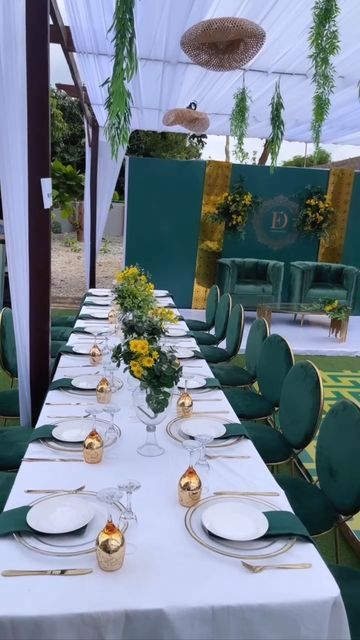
(167, 79)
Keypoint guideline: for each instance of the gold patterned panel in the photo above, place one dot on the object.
(211, 236)
(339, 191)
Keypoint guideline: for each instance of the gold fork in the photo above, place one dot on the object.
(257, 568)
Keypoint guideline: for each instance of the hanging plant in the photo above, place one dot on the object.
(239, 121)
(324, 44)
(119, 100)
(277, 125)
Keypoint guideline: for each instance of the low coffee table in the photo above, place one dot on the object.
(338, 328)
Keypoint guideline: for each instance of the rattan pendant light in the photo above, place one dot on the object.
(189, 118)
(223, 44)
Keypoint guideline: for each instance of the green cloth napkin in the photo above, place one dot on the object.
(198, 354)
(14, 520)
(43, 432)
(79, 330)
(234, 430)
(65, 383)
(68, 349)
(285, 523)
(211, 383)
(86, 316)
(92, 304)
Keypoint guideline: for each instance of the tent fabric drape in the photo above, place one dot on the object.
(14, 181)
(108, 170)
(167, 78)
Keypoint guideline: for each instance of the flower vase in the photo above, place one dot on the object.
(151, 415)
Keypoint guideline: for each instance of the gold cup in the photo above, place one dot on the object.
(103, 391)
(93, 447)
(189, 488)
(110, 547)
(113, 316)
(184, 405)
(95, 355)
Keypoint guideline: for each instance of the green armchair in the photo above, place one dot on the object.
(250, 281)
(311, 281)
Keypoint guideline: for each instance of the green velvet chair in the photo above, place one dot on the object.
(234, 334)
(64, 321)
(8, 360)
(324, 507)
(13, 444)
(250, 281)
(348, 580)
(212, 302)
(275, 361)
(232, 375)
(300, 408)
(7, 480)
(311, 281)
(221, 322)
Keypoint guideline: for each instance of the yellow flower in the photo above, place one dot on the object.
(147, 362)
(136, 369)
(154, 355)
(247, 199)
(139, 346)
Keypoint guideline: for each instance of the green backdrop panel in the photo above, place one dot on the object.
(351, 253)
(163, 218)
(270, 234)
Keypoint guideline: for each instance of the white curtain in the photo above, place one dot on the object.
(14, 181)
(108, 170)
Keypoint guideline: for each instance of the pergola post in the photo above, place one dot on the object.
(93, 199)
(38, 126)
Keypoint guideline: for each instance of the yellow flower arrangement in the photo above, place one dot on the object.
(316, 215)
(334, 309)
(234, 209)
(164, 315)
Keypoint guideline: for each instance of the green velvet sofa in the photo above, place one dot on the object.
(250, 281)
(312, 281)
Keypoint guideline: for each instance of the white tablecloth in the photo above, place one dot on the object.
(170, 587)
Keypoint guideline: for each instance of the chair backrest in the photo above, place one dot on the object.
(301, 404)
(338, 455)
(212, 302)
(251, 269)
(275, 361)
(222, 316)
(8, 360)
(258, 332)
(327, 272)
(235, 330)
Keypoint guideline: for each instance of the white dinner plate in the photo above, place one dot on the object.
(174, 332)
(183, 353)
(201, 426)
(160, 293)
(100, 329)
(99, 314)
(71, 431)
(100, 292)
(192, 383)
(83, 349)
(86, 382)
(235, 521)
(60, 515)
(164, 302)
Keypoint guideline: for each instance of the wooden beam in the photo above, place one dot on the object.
(265, 153)
(38, 140)
(72, 91)
(56, 37)
(93, 199)
(70, 58)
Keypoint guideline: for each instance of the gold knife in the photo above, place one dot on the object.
(52, 460)
(11, 573)
(246, 493)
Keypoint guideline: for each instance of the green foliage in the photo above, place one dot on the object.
(105, 247)
(334, 309)
(235, 209)
(72, 243)
(322, 157)
(119, 99)
(277, 125)
(153, 144)
(55, 226)
(139, 326)
(316, 215)
(68, 188)
(67, 130)
(239, 121)
(324, 44)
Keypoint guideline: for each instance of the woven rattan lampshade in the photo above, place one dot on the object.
(190, 119)
(223, 44)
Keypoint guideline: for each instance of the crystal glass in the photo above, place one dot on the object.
(129, 486)
(109, 496)
(113, 429)
(189, 487)
(202, 465)
(131, 382)
(150, 419)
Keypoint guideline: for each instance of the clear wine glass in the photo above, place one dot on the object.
(202, 464)
(150, 419)
(129, 486)
(109, 496)
(113, 429)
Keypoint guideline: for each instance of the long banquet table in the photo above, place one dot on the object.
(169, 587)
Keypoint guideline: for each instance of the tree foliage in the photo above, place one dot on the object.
(153, 144)
(322, 157)
(67, 130)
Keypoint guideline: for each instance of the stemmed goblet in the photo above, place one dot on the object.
(129, 486)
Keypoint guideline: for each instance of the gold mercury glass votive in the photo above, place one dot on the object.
(189, 488)
(112, 316)
(95, 355)
(93, 447)
(103, 391)
(110, 547)
(184, 405)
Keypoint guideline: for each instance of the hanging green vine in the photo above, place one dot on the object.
(277, 125)
(324, 44)
(119, 100)
(239, 121)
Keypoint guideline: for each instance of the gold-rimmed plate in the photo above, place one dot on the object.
(71, 544)
(252, 549)
(174, 430)
(73, 447)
